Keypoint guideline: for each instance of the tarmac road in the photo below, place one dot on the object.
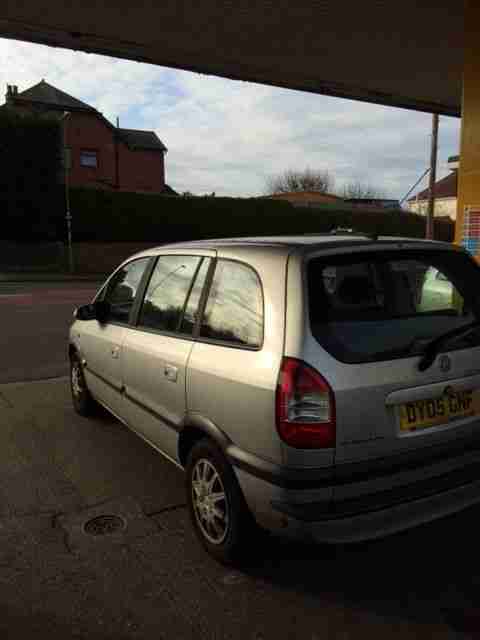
(34, 326)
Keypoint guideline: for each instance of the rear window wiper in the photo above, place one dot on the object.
(433, 347)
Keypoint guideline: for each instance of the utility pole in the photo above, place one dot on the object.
(117, 159)
(66, 169)
(429, 233)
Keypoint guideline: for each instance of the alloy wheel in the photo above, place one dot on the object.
(210, 501)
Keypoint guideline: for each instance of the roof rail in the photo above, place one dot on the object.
(343, 230)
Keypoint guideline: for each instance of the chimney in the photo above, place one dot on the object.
(12, 91)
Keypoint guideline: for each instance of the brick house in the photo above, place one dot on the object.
(445, 194)
(100, 154)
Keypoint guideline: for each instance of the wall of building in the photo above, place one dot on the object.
(469, 172)
(52, 257)
(137, 170)
(35, 256)
(104, 257)
(89, 133)
(141, 170)
(443, 207)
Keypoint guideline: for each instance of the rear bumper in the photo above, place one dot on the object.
(351, 503)
(310, 521)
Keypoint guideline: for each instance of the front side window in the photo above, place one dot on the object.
(167, 292)
(378, 306)
(89, 159)
(122, 289)
(234, 311)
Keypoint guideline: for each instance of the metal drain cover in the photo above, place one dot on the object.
(104, 525)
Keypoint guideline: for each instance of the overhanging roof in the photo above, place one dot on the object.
(406, 53)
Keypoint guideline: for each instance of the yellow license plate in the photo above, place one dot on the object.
(422, 414)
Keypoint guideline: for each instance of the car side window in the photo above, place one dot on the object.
(190, 315)
(167, 291)
(122, 289)
(234, 311)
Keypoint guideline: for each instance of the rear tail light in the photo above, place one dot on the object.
(305, 407)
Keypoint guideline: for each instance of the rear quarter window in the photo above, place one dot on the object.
(234, 310)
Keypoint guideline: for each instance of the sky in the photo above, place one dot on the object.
(228, 137)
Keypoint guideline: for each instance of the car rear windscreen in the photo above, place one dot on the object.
(380, 305)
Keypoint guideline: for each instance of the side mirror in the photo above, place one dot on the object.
(102, 310)
(85, 312)
(99, 310)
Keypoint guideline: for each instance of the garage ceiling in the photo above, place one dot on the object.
(407, 54)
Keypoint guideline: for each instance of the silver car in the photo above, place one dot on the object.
(302, 383)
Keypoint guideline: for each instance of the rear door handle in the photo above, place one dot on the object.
(170, 372)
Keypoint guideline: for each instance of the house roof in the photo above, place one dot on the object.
(320, 195)
(372, 200)
(141, 140)
(444, 188)
(45, 93)
(168, 191)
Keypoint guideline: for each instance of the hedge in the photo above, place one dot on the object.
(107, 216)
(31, 198)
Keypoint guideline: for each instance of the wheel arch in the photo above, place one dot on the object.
(196, 427)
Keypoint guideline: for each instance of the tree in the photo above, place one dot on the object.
(357, 189)
(297, 181)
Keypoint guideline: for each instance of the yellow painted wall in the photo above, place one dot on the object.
(469, 173)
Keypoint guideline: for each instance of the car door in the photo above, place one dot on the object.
(157, 349)
(233, 368)
(101, 343)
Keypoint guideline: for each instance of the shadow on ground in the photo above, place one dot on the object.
(426, 575)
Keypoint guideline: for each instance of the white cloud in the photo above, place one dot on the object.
(227, 136)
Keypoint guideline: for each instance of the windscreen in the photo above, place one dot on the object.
(366, 307)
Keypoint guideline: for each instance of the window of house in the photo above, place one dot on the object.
(89, 159)
(234, 311)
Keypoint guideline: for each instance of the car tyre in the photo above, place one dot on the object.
(83, 402)
(224, 525)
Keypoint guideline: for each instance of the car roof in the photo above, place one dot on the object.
(307, 241)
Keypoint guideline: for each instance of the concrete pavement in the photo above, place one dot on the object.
(151, 579)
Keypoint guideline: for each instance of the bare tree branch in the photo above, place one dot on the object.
(298, 181)
(359, 189)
